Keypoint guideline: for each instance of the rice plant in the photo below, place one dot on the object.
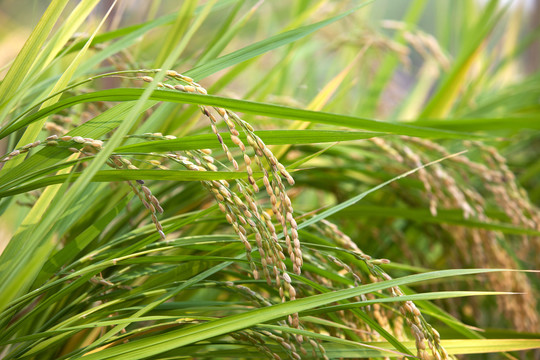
(232, 179)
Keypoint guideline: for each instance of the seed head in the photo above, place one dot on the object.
(186, 78)
(286, 277)
(97, 144)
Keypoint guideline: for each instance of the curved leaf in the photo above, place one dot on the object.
(177, 338)
(250, 107)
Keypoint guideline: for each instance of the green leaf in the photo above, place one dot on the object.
(270, 137)
(416, 297)
(511, 123)
(442, 101)
(335, 209)
(156, 344)
(454, 217)
(119, 175)
(78, 244)
(453, 347)
(485, 346)
(33, 129)
(250, 107)
(50, 156)
(19, 69)
(264, 46)
(390, 61)
(179, 27)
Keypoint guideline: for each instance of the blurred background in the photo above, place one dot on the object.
(18, 17)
